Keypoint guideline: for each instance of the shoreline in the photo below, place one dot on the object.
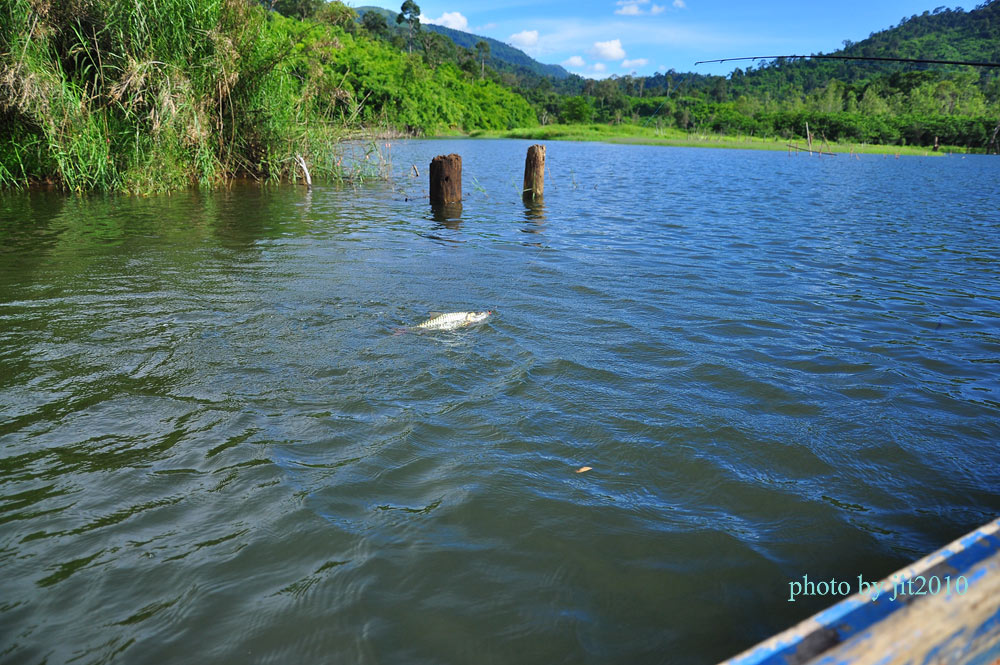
(633, 135)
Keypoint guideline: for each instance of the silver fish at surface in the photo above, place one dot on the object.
(452, 320)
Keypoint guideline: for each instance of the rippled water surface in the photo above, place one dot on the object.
(214, 448)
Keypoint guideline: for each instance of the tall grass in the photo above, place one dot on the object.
(144, 96)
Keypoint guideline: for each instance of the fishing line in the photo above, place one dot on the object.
(524, 270)
(925, 61)
(532, 261)
(665, 99)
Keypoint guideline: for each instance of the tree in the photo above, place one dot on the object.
(375, 24)
(437, 48)
(577, 109)
(720, 91)
(409, 13)
(483, 51)
(297, 8)
(339, 14)
(872, 102)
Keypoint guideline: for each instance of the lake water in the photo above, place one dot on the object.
(214, 448)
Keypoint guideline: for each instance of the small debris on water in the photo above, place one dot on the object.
(584, 469)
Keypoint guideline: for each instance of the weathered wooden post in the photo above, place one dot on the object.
(446, 179)
(534, 173)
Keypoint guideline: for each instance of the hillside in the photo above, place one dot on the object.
(943, 34)
(849, 101)
(501, 53)
(503, 57)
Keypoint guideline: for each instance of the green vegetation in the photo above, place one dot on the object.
(636, 134)
(913, 122)
(848, 101)
(409, 14)
(152, 96)
(375, 84)
(510, 63)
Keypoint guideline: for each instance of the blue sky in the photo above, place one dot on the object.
(598, 38)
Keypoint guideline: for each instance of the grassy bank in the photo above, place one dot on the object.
(153, 96)
(102, 95)
(637, 134)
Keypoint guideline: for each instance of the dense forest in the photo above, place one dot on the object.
(142, 97)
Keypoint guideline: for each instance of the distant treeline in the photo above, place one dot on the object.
(917, 108)
(905, 129)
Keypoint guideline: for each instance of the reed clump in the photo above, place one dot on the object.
(141, 97)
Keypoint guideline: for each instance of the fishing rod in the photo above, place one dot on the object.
(925, 61)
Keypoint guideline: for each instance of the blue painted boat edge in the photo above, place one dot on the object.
(858, 613)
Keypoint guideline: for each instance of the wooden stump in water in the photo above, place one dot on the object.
(534, 173)
(446, 179)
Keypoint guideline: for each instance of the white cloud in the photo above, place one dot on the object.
(575, 61)
(680, 4)
(629, 10)
(610, 50)
(453, 20)
(638, 62)
(659, 9)
(599, 67)
(525, 39)
(562, 37)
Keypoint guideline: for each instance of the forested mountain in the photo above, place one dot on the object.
(501, 54)
(939, 34)
(502, 57)
(846, 100)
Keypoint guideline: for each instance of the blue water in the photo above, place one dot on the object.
(214, 448)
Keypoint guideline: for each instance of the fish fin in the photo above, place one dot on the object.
(434, 315)
(400, 331)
